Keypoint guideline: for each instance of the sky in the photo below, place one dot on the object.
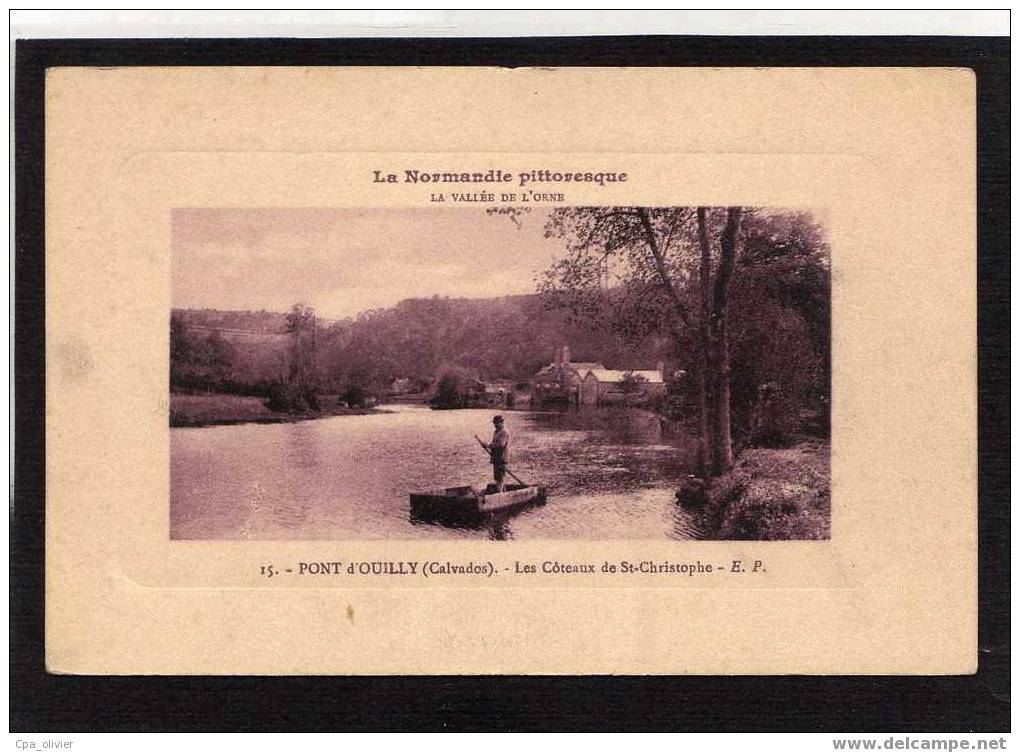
(344, 261)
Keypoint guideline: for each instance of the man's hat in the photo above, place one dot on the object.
(498, 419)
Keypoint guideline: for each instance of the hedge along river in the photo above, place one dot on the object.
(611, 474)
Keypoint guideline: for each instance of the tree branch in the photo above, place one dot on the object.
(660, 266)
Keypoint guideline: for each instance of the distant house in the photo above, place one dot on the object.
(498, 391)
(602, 386)
(559, 383)
(491, 393)
(402, 385)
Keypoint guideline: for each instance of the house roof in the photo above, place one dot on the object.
(581, 368)
(608, 376)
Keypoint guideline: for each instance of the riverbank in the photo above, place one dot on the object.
(773, 494)
(195, 410)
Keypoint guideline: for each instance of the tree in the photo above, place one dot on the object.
(718, 341)
(632, 383)
(180, 349)
(197, 361)
(219, 355)
(780, 328)
(299, 393)
(621, 260)
(301, 325)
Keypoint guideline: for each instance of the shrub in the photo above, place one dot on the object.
(452, 387)
(354, 396)
(774, 494)
(287, 397)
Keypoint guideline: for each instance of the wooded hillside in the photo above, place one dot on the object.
(509, 337)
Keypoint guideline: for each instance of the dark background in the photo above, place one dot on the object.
(44, 702)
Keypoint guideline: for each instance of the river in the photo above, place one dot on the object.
(611, 474)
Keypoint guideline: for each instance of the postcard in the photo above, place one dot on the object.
(526, 371)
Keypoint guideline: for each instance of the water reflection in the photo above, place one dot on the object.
(611, 473)
(617, 425)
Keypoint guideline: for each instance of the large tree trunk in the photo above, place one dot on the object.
(706, 440)
(723, 454)
(705, 425)
(715, 455)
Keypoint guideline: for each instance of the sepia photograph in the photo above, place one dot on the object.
(323, 399)
(502, 373)
(685, 419)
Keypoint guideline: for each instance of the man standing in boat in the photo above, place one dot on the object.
(499, 451)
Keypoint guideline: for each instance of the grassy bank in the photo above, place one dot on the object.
(773, 494)
(226, 409)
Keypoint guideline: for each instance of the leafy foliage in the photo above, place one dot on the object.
(632, 382)
(291, 397)
(453, 386)
(612, 276)
(199, 361)
(510, 337)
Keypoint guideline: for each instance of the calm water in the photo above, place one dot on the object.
(610, 473)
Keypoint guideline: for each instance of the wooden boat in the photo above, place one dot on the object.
(471, 505)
